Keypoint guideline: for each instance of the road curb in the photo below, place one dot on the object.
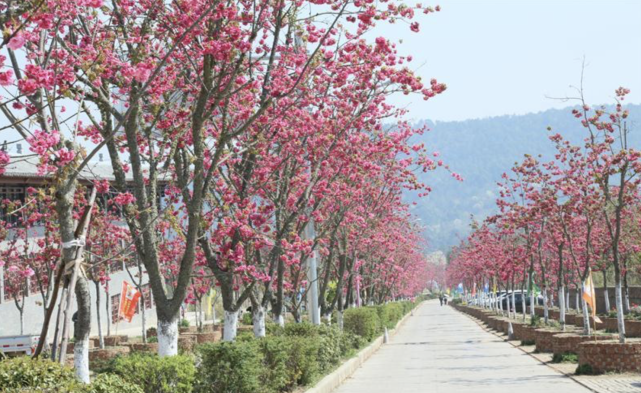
(489, 330)
(337, 377)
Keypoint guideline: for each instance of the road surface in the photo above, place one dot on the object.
(441, 350)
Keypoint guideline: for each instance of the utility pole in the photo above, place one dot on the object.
(312, 277)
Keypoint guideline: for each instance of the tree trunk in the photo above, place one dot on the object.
(626, 302)
(108, 309)
(545, 305)
(606, 295)
(167, 332)
(230, 326)
(586, 317)
(143, 316)
(82, 329)
(279, 320)
(258, 320)
(339, 319)
(620, 314)
(101, 338)
(562, 305)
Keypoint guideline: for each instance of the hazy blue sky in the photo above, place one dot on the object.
(505, 57)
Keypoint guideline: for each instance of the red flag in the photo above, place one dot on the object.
(128, 300)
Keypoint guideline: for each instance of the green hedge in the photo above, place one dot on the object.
(369, 322)
(363, 321)
(230, 367)
(23, 374)
(155, 374)
(110, 383)
(287, 359)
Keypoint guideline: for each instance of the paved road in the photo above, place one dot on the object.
(441, 350)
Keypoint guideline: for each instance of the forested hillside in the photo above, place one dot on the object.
(480, 150)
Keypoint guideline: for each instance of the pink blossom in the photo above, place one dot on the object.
(16, 42)
(124, 198)
(6, 78)
(41, 141)
(65, 156)
(142, 72)
(102, 186)
(4, 160)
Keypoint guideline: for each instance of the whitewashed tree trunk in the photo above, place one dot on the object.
(81, 359)
(279, 320)
(167, 338)
(258, 319)
(578, 300)
(606, 297)
(21, 321)
(230, 326)
(532, 304)
(567, 299)
(546, 308)
(562, 306)
(620, 314)
(328, 318)
(586, 319)
(339, 319)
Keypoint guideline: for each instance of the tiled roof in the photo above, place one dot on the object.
(28, 167)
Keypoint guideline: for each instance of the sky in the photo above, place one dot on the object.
(509, 57)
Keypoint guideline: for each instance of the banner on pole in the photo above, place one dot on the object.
(128, 299)
(589, 296)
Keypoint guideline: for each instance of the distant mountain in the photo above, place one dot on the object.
(481, 150)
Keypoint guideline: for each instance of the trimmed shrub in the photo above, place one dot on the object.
(230, 367)
(246, 319)
(273, 329)
(351, 342)
(155, 374)
(303, 329)
(26, 375)
(303, 360)
(110, 383)
(330, 349)
(363, 321)
(391, 313)
(276, 375)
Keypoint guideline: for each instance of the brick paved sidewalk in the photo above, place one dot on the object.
(607, 383)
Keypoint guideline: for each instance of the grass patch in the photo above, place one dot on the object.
(585, 369)
(565, 358)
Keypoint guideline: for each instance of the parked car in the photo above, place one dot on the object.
(518, 297)
(19, 345)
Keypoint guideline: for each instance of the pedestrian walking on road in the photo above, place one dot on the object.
(445, 299)
(440, 298)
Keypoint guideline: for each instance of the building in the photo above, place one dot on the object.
(20, 174)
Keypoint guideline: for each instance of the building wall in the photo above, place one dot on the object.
(635, 298)
(34, 313)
